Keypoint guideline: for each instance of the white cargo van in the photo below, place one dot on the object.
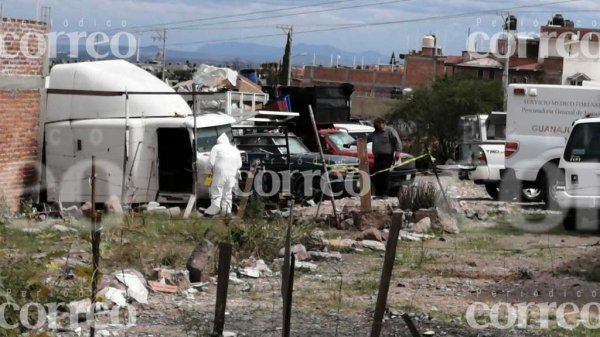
(580, 163)
(140, 133)
(539, 120)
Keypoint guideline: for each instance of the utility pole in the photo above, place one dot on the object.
(434, 58)
(506, 58)
(164, 53)
(508, 27)
(137, 51)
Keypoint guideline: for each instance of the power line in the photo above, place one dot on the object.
(322, 10)
(165, 24)
(373, 24)
(275, 24)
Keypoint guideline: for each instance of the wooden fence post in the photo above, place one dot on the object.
(222, 287)
(365, 179)
(386, 273)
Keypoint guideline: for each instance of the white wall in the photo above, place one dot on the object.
(590, 67)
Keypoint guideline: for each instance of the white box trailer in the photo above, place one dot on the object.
(139, 130)
(539, 120)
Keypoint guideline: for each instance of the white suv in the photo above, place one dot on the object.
(580, 190)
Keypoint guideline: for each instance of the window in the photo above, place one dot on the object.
(577, 83)
(480, 74)
(296, 146)
(584, 143)
(207, 137)
(343, 141)
(491, 74)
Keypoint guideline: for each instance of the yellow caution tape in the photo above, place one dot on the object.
(405, 163)
(337, 167)
(353, 168)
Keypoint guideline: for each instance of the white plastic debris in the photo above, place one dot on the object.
(214, 77)
(135, 286)
(117, 296)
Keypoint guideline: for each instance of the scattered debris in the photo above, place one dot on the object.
(63, 229)
(345, 244)
(406, 236)
(116, 296)
(134, 283)
(249, 272)
(298, 250)
(346, 224)
(305, 266)
(423, 226)
(324, 256)
(373, 245)
(162, 287)
(370, 234)
(112, 205)
(447, 223)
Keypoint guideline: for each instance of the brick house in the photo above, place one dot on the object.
(23, 66)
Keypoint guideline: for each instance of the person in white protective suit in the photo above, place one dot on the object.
(225, 160)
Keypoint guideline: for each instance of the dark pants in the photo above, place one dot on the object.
(380, 180)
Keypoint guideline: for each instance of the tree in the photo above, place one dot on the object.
(435, 112)
(283, 71)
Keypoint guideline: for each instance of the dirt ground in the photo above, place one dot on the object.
(494, 260)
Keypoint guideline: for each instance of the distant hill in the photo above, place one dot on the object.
(248, 53)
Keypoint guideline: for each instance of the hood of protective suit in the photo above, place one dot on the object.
(223, 139)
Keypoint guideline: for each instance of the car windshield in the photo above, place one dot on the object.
(584, 143)
(343, 141)
(296, 146)
(207, 137)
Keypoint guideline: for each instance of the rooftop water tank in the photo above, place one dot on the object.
(558, 20)
(429, 41)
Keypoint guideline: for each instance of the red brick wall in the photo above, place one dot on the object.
(365, 81)
(20, 103)
(19, 116)
(419, 71)
(14, 32)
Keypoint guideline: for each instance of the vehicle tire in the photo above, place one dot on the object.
(514, 190)
(493, 189)
(509, 190)
(569, 221)
(550, 177)
(300, 196)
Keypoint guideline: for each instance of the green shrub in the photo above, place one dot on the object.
(419, 196)
(4, 210)
(255, 209)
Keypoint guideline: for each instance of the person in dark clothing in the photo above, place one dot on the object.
(386, 148)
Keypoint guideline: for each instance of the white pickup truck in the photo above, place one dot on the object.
(480, 150)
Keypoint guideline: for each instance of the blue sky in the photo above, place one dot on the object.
(97, 15)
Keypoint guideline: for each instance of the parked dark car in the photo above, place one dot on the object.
(270, 149)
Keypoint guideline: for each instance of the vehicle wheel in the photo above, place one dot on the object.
(493, 190)
(569, 221)
(549, 180)
(300, 195)
(531, 194)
